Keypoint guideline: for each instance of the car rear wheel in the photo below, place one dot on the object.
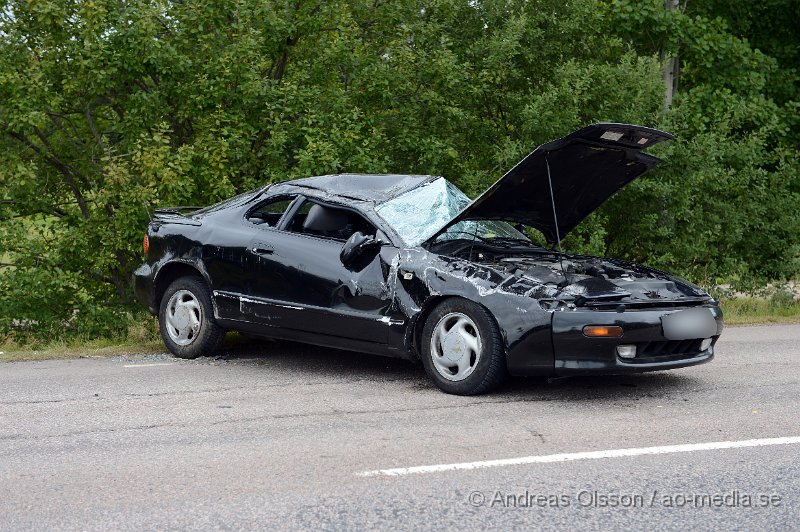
(462, 349)
(186, 319)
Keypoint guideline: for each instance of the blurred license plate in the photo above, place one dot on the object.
(688, 324)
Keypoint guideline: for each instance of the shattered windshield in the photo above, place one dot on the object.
(419, 213)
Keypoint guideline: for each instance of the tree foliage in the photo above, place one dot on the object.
(112, 107)
(725, 199)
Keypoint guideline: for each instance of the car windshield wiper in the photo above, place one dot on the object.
(473, 235)
(499, 241)
(508, 241)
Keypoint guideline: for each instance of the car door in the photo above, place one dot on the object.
(234, 259)
(300, 283)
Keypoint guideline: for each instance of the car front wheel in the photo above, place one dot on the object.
(462, 349)
(186, 319)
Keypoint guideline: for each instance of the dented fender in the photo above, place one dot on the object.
(422, 279)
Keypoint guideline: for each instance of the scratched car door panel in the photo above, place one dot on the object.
(300, 283)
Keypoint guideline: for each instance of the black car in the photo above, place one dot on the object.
(407, 266)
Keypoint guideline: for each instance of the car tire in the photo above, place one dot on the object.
(462, 349)
(186, 319)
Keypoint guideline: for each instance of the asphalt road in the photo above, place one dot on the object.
(280, 435)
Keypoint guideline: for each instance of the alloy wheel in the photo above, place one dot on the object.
(455, 346)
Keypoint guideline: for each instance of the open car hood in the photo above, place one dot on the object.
(586, 168)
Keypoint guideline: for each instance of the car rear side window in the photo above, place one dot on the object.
(270, 212)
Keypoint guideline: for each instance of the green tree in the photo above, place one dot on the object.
(109, 108)
(721, 208)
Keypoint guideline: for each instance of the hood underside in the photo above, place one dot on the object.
(585, 168)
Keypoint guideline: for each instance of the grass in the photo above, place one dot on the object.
(142, 336)
(778, 308)
(10, 352)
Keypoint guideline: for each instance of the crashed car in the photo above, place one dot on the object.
(407, 266)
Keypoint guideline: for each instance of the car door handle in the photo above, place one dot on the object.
(261, 249)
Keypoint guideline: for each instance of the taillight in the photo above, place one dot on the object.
(146, 244)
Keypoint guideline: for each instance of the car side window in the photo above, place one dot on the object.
(269, 213)
(328, 222)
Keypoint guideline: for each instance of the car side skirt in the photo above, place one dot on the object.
(324, 340)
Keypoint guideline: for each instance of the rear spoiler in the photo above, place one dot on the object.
(177, 210)
(175, 215)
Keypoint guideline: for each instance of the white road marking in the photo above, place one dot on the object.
(587, 455)
(147, 365)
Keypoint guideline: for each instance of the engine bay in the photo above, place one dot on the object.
(583, 280)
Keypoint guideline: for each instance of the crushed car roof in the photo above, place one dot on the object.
(375, 188)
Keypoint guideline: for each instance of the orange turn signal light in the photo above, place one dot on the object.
(146, 244)
(602, 331)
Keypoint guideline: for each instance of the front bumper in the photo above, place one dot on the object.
(576, 354)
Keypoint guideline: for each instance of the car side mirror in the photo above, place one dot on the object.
(358, 247)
